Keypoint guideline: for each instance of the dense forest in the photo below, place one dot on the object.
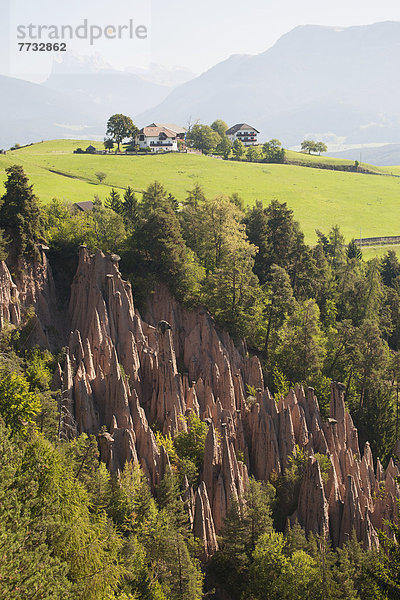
(312, 314)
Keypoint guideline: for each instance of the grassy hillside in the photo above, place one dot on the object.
(37, 160)
(379, 251)
(395, 170)
(319, 197)
(312, 160)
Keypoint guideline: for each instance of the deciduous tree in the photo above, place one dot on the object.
(273, 151)
(220, 127)
(238, 149)
(120, 127)
(202, 137)
(108, 144)
(224, 148)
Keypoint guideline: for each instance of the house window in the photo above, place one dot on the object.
(141, 138)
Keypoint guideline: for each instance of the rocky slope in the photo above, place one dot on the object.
(121, 373)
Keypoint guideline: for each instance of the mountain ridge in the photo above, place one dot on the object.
(314, 81)
(306, 70)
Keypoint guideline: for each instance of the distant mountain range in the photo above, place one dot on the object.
(170, 77)
(98, 85)
(337, 85)
(74, 102)
(30, 112)
(381, 156)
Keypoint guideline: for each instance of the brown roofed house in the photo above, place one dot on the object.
(158, 138)
(83, 206)
(177, 129)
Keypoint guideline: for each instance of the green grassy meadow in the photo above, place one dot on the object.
(314, 160)
(319, 198)
(379, 251)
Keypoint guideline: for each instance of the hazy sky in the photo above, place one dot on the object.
(195, 35)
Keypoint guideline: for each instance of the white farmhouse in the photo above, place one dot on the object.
(160, 138)
(243, 132)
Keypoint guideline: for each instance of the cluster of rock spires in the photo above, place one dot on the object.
(121, 375)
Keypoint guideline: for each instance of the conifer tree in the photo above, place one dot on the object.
(281, 303)
(113, 201)
(190, 218)
(170, 500)
(353, 251)
(390, 268)
(3, 245)
(20, 215)
(302, 345)
(130, 208)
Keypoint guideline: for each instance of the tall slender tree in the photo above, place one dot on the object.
(20, 215)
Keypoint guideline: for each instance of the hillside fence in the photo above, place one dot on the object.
(378, 241)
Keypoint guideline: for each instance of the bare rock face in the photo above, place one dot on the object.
(209, 356)
(122, 373)
(312, 509)
(154, 462)
(32, 287)
(103, 350)
(353, 498)
(10, 310)
(167, 401)
(212, 462)
(203, 526)
(34, 280)
(36, 286)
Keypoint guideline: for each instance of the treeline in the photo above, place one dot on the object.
(212, 139)
(209, 139)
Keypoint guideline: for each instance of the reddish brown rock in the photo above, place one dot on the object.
(203, 526)
(335, 510)
(68, 428)
(286, 439)
(10, 311)
(312, 508)
(122, 373)
(167, 403)
(207, 353)
(153, 461)
(212, 462)
(264, 448)
(352, 513)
